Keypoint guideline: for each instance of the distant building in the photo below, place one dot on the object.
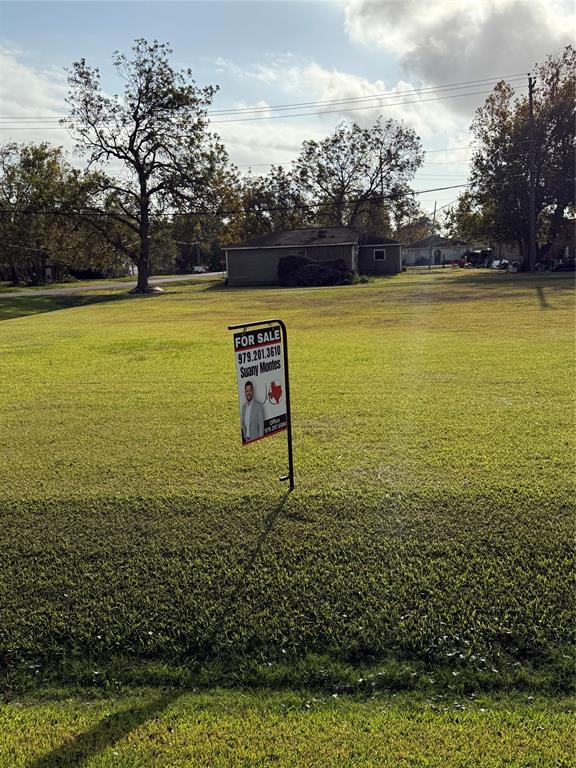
(506, 251)
(255, 261)
(433, 250)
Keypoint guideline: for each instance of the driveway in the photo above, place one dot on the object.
(99, 285)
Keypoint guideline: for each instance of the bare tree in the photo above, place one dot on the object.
(497, 205)
(354, 169)
(158, 130)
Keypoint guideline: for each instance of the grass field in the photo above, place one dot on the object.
(429, 536)
(7, 287)
(297, 729)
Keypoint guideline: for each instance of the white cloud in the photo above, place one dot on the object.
(442, 41)
(26, 91)
(259, 143)
(33, 98)
(314, 83)
(400, 101)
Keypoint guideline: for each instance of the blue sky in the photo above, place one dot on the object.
(198, 31)
(270, 53)
(246, 33)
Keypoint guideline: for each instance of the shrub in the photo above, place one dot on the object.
(322, 274)
(288, 266)
(302, 272)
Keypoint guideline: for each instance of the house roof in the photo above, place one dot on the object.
(434, 240)
(377, 240)
(300, 237)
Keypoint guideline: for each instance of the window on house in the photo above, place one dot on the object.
(379, 254)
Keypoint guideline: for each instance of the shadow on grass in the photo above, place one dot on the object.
(544, 303)
(501, 277)
(109, 731)
(221, 285)
(238, 588)
(482, 278)
(495, 284)
(13, 308)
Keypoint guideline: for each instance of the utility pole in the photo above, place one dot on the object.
(432, 235)
(381, 217)
(531, 178)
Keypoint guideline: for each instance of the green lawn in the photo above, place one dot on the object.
(297, 729)
(431, 526)
(7, 287)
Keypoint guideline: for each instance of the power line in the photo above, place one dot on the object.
(310, 104)
(427, 151)
(86, 213)
(285, 116)
(348, 109)
(368, 97)
(289, 162)
(8, 124)
(424, 164)
(447, 204)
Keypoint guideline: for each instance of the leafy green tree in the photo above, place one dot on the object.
(31, 180)
(355, 170)
(466, 221)
(415, 228)
(199, 237)
(497, 206)
(40, 193)
(186, 235)
(274, 201)
(159, 132)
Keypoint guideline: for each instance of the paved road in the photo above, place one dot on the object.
(99, 285)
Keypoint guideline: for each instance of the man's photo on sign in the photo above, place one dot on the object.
(252, 415)
(261, 383)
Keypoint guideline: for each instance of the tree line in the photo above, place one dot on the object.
(178, 199)
(495, 207)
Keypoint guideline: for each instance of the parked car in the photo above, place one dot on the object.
(543, 265)
(198, 268)
(565, 264)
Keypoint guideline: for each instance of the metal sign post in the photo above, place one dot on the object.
(256, 354)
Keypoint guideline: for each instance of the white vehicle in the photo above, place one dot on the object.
(199, 268)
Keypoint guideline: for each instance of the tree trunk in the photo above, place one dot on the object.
(339, 211)
(15, 278)
(143, 266)
(524, 255)
(143, 262)
(555, 223)
(43, 268)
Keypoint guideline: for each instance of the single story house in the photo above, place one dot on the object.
(255, 261)
(433, 250)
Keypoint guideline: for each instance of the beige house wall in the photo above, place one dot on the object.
(508, 251)
(391, 265)
(423, 256)
(259, 266)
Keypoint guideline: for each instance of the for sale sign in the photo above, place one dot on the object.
(261, 383)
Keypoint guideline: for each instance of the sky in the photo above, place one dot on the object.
(275, 52)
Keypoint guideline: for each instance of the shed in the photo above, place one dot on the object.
(255, 261)
(433, 250)
(379, 256)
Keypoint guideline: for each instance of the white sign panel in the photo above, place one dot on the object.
(261, 384)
